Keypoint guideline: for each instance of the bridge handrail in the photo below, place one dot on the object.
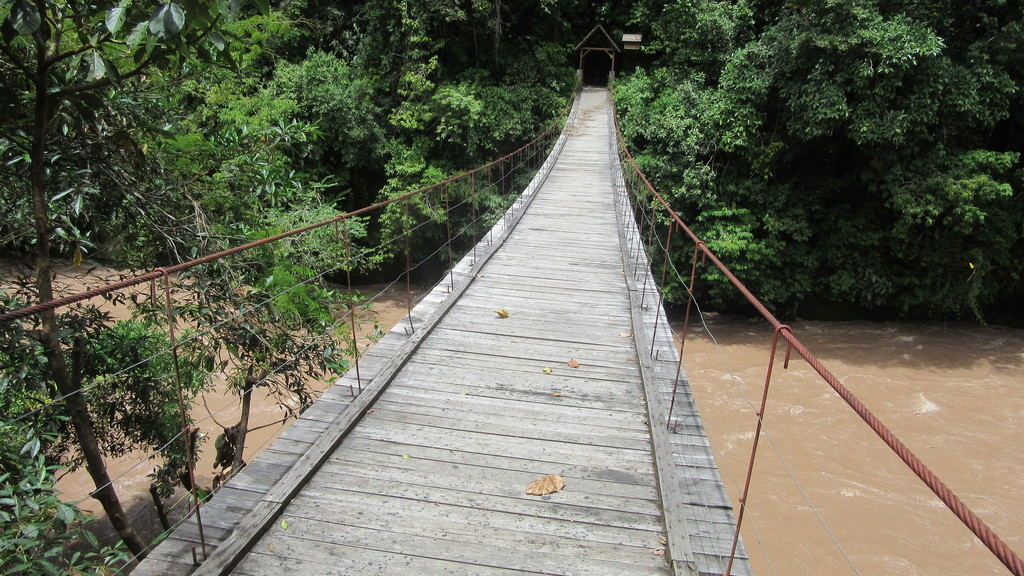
(988, 537)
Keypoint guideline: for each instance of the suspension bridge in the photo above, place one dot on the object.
(426, 471)
(529, 416)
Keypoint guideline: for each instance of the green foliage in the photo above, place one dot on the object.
(129, 380)
(35, 526)
(845, 155)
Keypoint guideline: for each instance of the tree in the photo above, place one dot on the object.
(850, 157)
(70, 59)
(35, 526)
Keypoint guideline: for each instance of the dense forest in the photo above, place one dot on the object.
(845, 158)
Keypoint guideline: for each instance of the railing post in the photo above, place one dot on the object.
(186, 429)
(408, 265)
(686, 326)
(753, 448)
(661, 289)
(448, 221)
(351, 305)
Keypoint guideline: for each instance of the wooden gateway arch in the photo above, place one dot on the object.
(598, 40)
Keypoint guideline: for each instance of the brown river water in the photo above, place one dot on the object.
(827, 496)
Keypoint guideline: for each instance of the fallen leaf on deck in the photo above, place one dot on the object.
(659, 551)
(370, 411)
(573, 364)
(501, 312)
(284, 524)
(625, 334)
(546, 485)
(406, 456)
(631, 358)
(557, 395)
(548, 370)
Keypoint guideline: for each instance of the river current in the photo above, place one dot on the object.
(827, 496)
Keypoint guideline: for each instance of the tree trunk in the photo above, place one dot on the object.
(158, 503)
(78, 414)
(243, 425)
(68, 388)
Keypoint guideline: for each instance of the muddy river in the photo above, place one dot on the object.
(827, 496)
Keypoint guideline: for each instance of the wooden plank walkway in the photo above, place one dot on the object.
(426, 471)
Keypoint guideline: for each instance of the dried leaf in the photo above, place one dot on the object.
(556, 394)
(546, 485)
(631, 358)
(625, 334)
(548, 370)
(370, 411)
(501, 312)
(659, 551)
(573, 364)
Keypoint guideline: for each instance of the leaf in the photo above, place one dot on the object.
(65, 513)
(625, 334)
(501, 312)
(546, 485)
(167, 20)
(557, 395)
(572, 364)
(77, 260)
(217, 40)
(548, 370)
(25, 17)
(284, 524)
(115, 19)
(137, 34)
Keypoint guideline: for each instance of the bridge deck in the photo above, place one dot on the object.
(431, 477)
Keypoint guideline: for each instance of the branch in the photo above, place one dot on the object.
(102, 82)
(66, 55)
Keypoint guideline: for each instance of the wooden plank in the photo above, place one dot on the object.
(520, 429)
(534, 427)
(467, 524)
(440, 477)
(529, 407)
(586, 480)
(611, 477)
(295, 558)
(318, 535)
(515, 447)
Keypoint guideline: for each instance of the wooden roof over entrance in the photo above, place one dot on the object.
(593, 33)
